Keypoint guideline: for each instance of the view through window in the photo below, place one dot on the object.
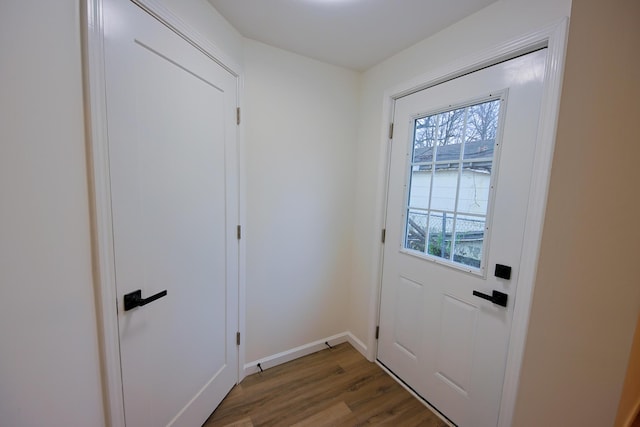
(450, 181)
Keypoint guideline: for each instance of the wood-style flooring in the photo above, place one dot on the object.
(333, 387)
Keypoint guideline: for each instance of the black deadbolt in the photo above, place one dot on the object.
(503, 271)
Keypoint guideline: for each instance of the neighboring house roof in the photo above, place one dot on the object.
(477, 155)
(472, 151)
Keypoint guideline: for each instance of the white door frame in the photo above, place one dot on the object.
(99, 187)
(553, 37)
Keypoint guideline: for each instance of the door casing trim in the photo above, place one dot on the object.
(554, 38)
(95, 112)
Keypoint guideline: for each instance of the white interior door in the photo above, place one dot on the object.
(460, 171)
(174, 194)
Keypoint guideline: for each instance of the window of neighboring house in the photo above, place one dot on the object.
(450, 183)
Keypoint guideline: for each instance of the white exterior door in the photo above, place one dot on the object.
(459, 177)
(174, 194)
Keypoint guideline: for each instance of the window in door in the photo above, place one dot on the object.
(450, 184)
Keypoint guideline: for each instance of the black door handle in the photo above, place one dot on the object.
(496, 297)
(134, 299)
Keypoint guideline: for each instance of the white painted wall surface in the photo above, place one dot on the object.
(300, 133)
(49, 367)
(312, 214)
(49, 358)
(587, 297)
(201, 17)
(500, 22)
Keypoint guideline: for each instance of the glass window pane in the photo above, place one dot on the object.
(449, 152)
(440, 232)
(475, 182)
(416, 231)
(482, 121)
(450, 134)
(424, 138)
(469, 240)
(445, 186)
(451, 165)
(475, 150)
(420, 186)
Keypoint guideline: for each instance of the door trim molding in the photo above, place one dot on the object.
(554, 38)
(95, 112)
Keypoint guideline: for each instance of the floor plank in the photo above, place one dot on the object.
(333, 387)
(333, 415)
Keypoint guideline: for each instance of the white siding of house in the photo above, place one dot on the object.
(474, 190)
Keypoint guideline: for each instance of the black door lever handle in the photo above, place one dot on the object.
(134, 299)
(496, 297)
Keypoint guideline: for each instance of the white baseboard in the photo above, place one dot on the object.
(303, 350)
(357, 344)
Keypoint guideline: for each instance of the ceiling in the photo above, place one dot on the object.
(355, 34)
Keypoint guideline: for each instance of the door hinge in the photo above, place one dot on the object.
(377, 331)
(238, 115)
(237, 338)
(384, 235)
(391, 131)
(239, 231)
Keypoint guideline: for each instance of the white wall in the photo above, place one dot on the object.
(49, 368)
(206, 22)
(312, 236)
(300, 120)
(587, 296)
(49, 358)
(497, 23)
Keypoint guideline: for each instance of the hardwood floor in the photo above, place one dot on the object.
(333, 387)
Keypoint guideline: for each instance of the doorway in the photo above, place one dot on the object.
(460, 172)
(166, 168)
